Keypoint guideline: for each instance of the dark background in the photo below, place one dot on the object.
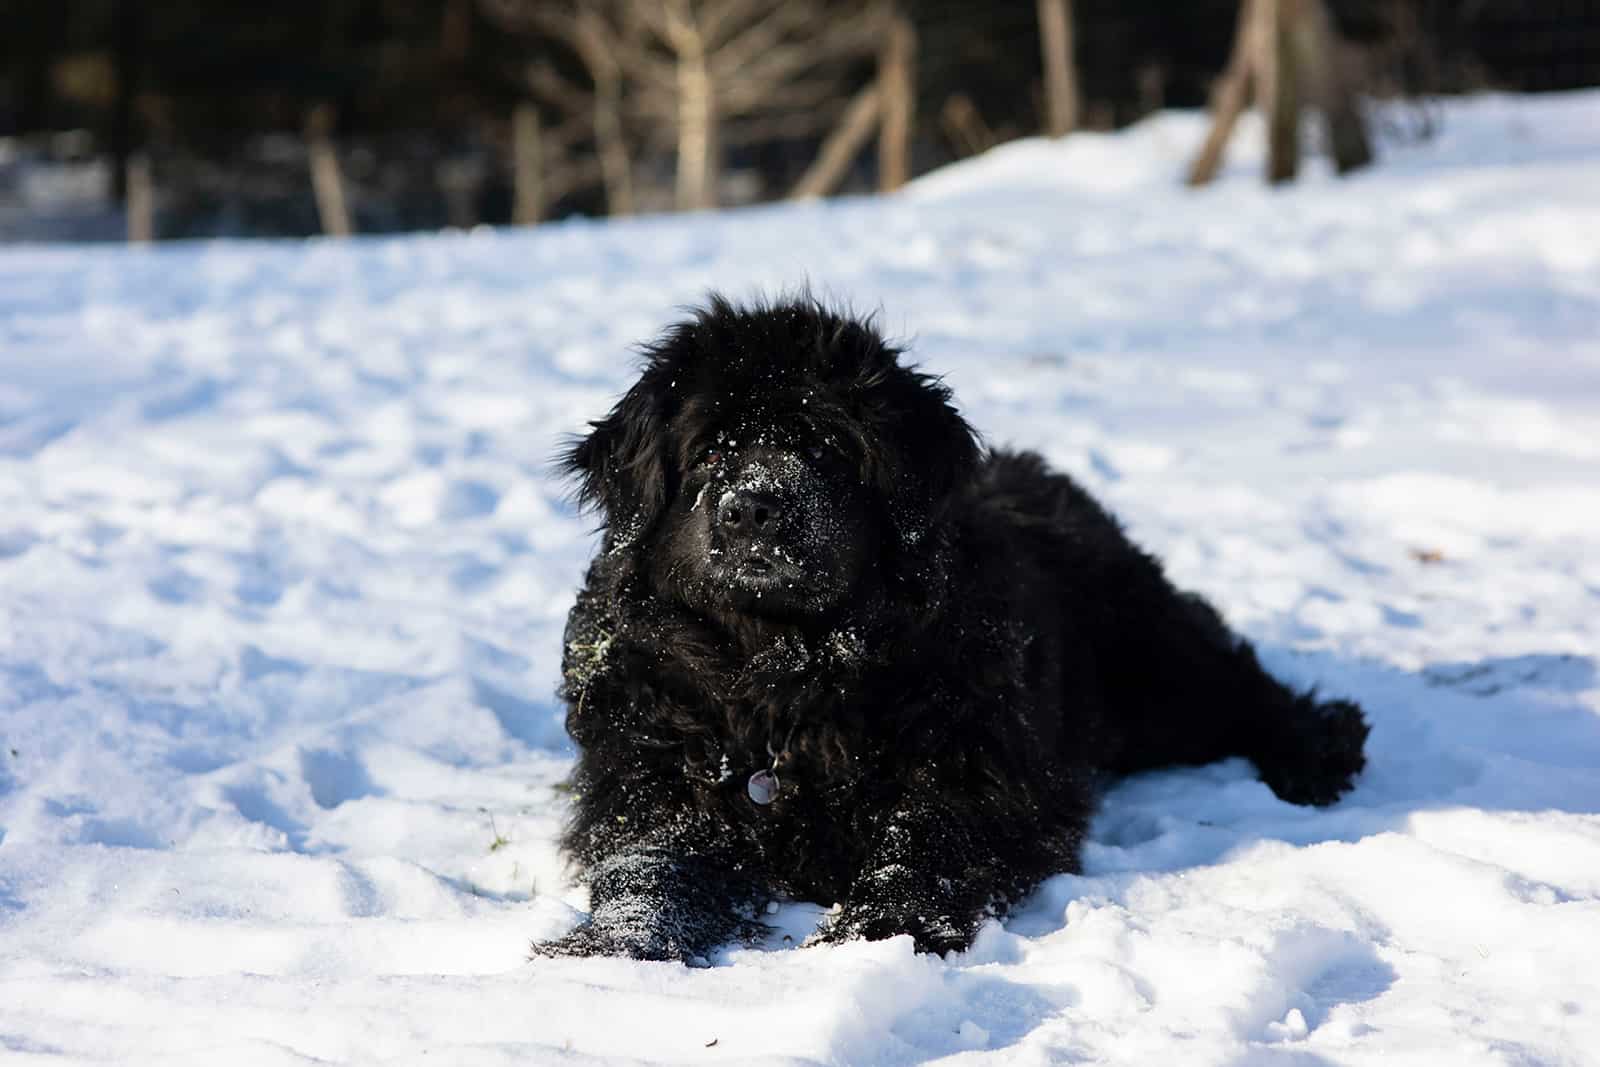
(418, 95)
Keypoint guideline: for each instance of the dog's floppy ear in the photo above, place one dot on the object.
(622, 464)
(938, 451)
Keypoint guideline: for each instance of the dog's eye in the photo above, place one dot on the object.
(817, 453)
(712, 458)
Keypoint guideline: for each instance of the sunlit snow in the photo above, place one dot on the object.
(283, 572)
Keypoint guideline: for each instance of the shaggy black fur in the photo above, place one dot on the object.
(811, 569)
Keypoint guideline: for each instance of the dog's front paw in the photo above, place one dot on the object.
(592, 939)
(684, 941)
(930, 933)
(584, 940)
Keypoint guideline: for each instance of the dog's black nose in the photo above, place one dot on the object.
(748, 513)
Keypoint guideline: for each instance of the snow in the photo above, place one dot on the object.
(56, 192)
(284, 572)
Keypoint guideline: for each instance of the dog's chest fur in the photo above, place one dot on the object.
(801, 713)
(814, 712)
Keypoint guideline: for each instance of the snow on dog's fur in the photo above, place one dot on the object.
(833, 649)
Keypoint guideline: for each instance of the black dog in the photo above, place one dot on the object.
(833, 649)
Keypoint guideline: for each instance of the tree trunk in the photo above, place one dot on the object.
(527, 166)
(129, 65)
(1152, 82)
(611, 144)
(326, 181)
(841, 146)
(141, 200)
(1289, 48)
(698, 166)
(1279, 75)
(1060, 66)
(965, 127)
(1230, 94)
(1331, 87)
(897, 78)
(459, 183)
(616, 169)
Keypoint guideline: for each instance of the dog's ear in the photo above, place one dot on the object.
(622, 464)
(942, 449)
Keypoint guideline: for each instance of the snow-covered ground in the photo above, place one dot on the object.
(283, 574)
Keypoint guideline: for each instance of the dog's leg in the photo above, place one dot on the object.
(658, 904)
(936, 872)
(1204, 696)
(1308, 750)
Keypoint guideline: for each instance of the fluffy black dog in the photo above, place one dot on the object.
(833, 649)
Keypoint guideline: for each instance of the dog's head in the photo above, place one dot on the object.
(771, 460)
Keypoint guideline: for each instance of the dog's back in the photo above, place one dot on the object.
(1161, 680)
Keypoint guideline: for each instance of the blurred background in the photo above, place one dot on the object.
(122, 119)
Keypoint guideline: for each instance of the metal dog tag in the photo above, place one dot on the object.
(763, 787)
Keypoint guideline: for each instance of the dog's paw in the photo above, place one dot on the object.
(929, 933)
(683, 942)
(1322, 763)
(591, 939)
(584, 940)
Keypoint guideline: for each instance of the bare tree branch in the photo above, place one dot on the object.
(1289, 50)
(555, 90)
(897, 82)
(795, 96)
(761, 37)
(841, 146)
(859, 37)
(688, 75)
(1229, 95)
(790, 126)
(721, 20)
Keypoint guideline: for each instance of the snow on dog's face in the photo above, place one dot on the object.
(766, 521)
(771, 460)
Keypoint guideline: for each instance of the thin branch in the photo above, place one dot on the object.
(841, 146)
(559, 92)
(789, 126)
(721, 22)
(897, 79)
(858, 37)
(792, 96)
(764, 35)
(1230, 95)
